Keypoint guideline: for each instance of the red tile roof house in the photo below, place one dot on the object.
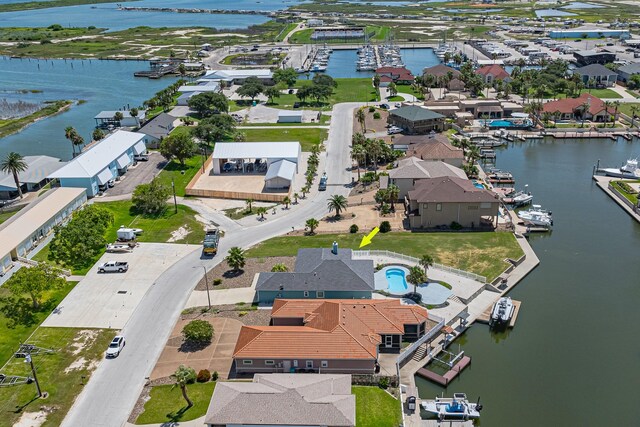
(328, 336)
(491, 73)
(398, 75)
(589, 106)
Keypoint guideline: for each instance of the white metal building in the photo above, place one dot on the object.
(38, 169)
(105, 118)
(20, 233)
(286, 116)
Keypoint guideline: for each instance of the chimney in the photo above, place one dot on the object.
(334, 248)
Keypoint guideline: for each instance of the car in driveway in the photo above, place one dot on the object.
(113, 267)
(116, 346)
(393, 130)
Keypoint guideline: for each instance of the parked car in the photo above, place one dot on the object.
(322, 186)
(393, 130)
(141, 158)
(111, 183)
(384, 106)
(116, 346)
(113, 267)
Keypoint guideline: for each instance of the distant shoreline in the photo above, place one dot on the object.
(13, 126)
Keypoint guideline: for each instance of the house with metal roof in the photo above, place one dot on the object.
(36, 175)
(107, 118)
(238, 77)
(279, 400)
(328, 336)
(106, 160)
(159, 128)
(319, 273)
(414, 119)
(437, 202)
(25, 230)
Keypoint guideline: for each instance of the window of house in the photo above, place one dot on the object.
(269, 362)
(472, 207)
(247, 362)
(309, 364)
(295, 363)
(324, 364)
(320, 294)
(485, 205)
(438, 206)
(306, 294)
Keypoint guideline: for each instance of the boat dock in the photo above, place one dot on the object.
(485, 317)
(604, 183)
(449, 376)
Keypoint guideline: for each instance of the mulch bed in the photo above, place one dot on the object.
(245, 277)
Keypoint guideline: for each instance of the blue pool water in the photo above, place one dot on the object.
(477, 184)
(501, 123)
(396, 281)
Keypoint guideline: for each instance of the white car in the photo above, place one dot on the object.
(393, 130)
(116, 346)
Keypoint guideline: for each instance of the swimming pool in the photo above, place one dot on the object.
(511, 123)
(397, 284)
(477, 184)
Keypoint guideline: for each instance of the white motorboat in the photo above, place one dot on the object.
(118, 247)
(500, 177)
(502, 311)
(536, 216)
(629, 170)
(457, 407)
(521, 198)
(487, 153)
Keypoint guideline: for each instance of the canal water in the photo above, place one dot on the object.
(573, 358)
(342, 63)
(104, 85)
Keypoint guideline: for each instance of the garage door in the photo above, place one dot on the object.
(104, 176)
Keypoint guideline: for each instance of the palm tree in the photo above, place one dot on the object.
(236, 258)
(261, 211)
(393, 90)
(305, 190)
(97, 135)
(607, 105)
(312, 224)
(134, 113)
(357, 152)
(361, 117)
(634, 109)
(118, 116)
(249, 202)
(426, 261)
(393, 192)
(591, 83)
(416, 277)
(14, 164)
(616, 105)
(184, 376)
(70, 133)
(337, 203)
(286, 202)
(473, 154)
(295, 198)
(584, 108)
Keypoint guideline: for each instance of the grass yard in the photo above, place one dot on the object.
(167, 405)
(173, 171)
(6, 215)
(77, 353)
(348, 90)
(408, 89)
(600, 93)
(376, 408)
(631, 196)
(481, 253)
(626, 109)
(307, 137)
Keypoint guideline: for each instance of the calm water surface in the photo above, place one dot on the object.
(342, 63)
(574, 350)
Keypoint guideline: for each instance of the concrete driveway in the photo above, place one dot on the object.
(108, 300)
(142, 173)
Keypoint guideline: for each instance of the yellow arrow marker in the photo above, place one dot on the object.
(367, 239)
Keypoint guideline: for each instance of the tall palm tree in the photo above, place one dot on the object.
(249, 203)
(583, 108)
(357, 152)
(261, 211)
(634, 110)
(184, 376)
(426, 261)
(286, 202)
(70, 133)
(416, 277)
(393, 192)
(607, 105)
(337, 203)
(616, 105)
(14, 164)
(361, 117)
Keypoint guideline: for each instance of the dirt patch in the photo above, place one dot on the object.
(243, 279)
(84, 338)
(371, 124)
(31, 419)
(76, 365)
(178, 234)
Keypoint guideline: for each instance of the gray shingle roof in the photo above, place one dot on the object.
(415, 168)
(594, 70)
(159, 127)
(630, 68)
(320, 269)
(415, 113)
(449, 190)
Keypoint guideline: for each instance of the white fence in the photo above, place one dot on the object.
(416, 261)
(426, 337)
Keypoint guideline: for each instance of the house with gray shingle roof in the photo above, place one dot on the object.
(627, 71)
(159, 128)
(319, 273)
(411, 169)
(414, 119)
(597, 74)
(284, 400)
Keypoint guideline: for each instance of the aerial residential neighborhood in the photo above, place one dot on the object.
(318, 213)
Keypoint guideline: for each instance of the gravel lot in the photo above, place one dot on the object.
(245, 278)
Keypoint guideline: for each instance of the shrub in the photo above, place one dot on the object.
(383, 382)
(385, 227)
(214, 377)
(455, 226)
(353, 229)
(217, 282)
(242, 313)
(203, 376)
(379, 267)
(279, 268)
(199, 331)
(376, 115)
(372, 109)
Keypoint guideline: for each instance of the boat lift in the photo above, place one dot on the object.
(453, 358)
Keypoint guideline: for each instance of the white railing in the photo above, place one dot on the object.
(390, 254)
(35, 263)
(426, 337)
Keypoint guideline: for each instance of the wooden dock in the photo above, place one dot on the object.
(447, 377)
(486, 316)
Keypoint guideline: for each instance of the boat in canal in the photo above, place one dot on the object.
(536, 216)
(502, 311)
(457, 407)
(487, 153)
(629, 170)
(521, 198)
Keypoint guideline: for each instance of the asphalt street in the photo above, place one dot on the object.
(114, 387)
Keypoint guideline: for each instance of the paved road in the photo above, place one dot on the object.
(114, 387)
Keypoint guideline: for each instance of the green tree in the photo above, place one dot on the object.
(361, 117)
(198, 331)
(97, 135)
(261, 211)
(249, 203)
(286, 76)
(151, 198)
(208, 103)
(324, 80)
(303, 93)
(184, 376)
(337, 203)
(426, 261)
(13, 164)
(312, 224)
(279, 268)
(35, 282)
(118, 116)
(236, 258)
(376, 81)
(215, 128)
(393, 192)
(251, 88)
(381, 197)
(179, 146)
(634, 111)
(272, 92)
(416, 277)
(393, 89)
(320, 92)
(74, 137)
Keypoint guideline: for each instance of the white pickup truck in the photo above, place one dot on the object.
(113, 267)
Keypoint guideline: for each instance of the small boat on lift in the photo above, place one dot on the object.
(502, 311)
(536, 216)
(500, 177)
(457, 407)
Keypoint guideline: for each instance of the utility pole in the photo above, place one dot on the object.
(33, 371)
(175, 201)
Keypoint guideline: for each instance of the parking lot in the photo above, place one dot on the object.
(142, 173)
(108, 300)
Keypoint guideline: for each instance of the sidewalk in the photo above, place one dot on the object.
(198, 422)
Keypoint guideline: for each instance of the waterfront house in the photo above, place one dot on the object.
(203, 85)
(238, 77)
(26, 229)
(627, 71)
(430, 147)
(284, 400)
(106, 160)
(586, 106)
(492, 73)
(588, 57)
(597, 74)
(158, 128)
(398, 75)
(33, 178)
(328, 336)
(442, 74)
(105, 119)
(412, 169)
(319, 273)
(440, 202)
(416, 120)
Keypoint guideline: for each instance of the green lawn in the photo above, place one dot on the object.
(376, 33)
(173, 171)
(600, 93)
(57, 377)
(481, 253)
(408, 89)
(376, 408)
(348, 90)
(395, 98)
(307, 137)
(632, 197)
(167, 404)
(6, 215)
(626, 108)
